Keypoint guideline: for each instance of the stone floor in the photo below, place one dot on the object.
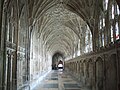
(58, 80)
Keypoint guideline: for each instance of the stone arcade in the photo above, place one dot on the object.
(83, 34)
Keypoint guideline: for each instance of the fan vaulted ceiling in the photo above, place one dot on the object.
(61, 22)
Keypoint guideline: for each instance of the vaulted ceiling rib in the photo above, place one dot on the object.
(59, 22)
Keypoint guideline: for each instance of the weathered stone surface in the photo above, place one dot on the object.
(104, 74)
(85, 32)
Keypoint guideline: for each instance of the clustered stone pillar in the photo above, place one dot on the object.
(14, 45)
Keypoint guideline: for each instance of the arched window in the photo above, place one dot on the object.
(111, 28)
(118, 11)
(117, 31)
(103, 38)
(101, 30)
(113, 13)
(88, 40)
(114, 19)
(78, 53)
(100, 23)
(105, 4)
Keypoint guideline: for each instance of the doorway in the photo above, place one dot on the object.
(57, 61)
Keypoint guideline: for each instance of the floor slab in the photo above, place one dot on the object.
(58, 80)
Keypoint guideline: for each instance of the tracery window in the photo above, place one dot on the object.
(118, 11)
(88, 40)
(105, 4)
(113, 26)
(10, 26)
(114, 21)
(101, 30)
(111, 29)
(113, 14)
(117, 31)
(78, 53)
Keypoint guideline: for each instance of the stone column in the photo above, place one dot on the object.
(3, 47)
(104, 72)
(1, 7)
(108, 28)
(28, 43)
(1, 13)
(8, 69)
(15, 54)
(114, 32)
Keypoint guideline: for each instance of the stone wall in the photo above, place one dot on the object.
(14, 55)
(97, 71)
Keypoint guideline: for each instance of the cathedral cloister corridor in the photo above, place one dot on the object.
(59, 44)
